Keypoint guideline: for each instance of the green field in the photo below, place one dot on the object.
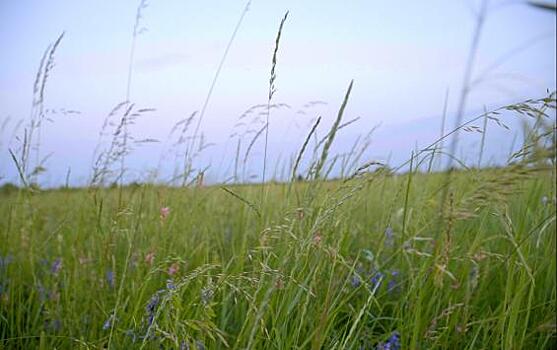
(354, 264)
(345, 253)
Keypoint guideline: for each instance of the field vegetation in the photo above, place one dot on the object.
(374, 256)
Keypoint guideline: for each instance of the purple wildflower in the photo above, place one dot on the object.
(170, 284)
(56, 266)
(393, 282)
(108, 323)
(376, 280)
(110, 278)
(355, 281)
(43, 292)
(151, 308)
(393, 343)
(389, 236)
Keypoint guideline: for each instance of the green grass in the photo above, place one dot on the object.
(475, 273)
(457, 260)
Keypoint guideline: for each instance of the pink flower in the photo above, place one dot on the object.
(164, 212)
(317, 238)
(149, 258)
(173, 269)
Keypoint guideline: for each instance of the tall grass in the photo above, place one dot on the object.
(385, 257)
(354, 264)
(74, 268)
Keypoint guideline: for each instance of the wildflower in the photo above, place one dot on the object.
(109, 321)
(44, 294)
(56, 266)
(355, 281)
(173, 269)
(170, 284)
(389, 236)
(151, 308)
(110, 278)
(149, 258)
(317, 238)
(164, 212)
(393, 343)
(393, 282)
(376, 280)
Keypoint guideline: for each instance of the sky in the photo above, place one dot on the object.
(404, 58)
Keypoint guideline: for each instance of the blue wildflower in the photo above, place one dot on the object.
(376, 280)
(43, 292)
(389, 236)
(393, 282)
(109, 321)
(393, 343)
(151, 308)
(170, 285)
(355, 281)
(56, 266)
(110, 278)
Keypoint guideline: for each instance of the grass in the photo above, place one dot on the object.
(380, 258)
(302, 276)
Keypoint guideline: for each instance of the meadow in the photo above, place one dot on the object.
(375, 261)
(339, 252)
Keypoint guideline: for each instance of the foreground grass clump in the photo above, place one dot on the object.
(374, 262)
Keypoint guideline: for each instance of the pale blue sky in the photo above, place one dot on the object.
(402, 55)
